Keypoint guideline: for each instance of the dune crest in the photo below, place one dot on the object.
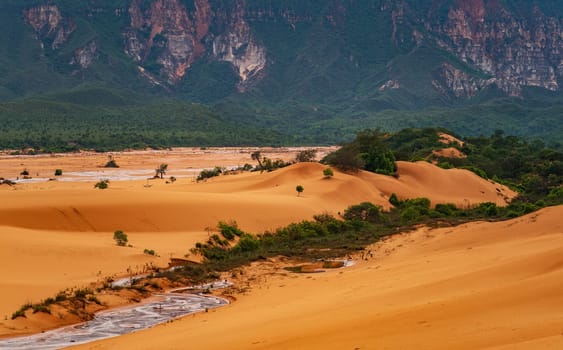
(478, 286)
(60, 234)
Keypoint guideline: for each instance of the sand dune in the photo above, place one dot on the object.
(55, 235)
(477, 286)
(256, 201)
(449, 139)
(449, 152)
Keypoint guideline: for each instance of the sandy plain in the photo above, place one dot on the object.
(476, 286)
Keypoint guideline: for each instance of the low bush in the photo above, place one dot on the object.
(209, 173)
(149, 252)
(120, 238)
(102, 184)
(41, 308)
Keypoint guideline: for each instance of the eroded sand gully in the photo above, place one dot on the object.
(449, 288)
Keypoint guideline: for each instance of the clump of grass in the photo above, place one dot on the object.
(19, 313)
(102, 184)
(41, 308)
(82, 293)
(22, 310)
(61, 296)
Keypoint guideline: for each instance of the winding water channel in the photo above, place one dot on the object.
(125, 320)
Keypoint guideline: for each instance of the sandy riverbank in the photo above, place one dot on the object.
(477, 286)
(55, 235)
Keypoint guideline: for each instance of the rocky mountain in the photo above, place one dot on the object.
(302, 56)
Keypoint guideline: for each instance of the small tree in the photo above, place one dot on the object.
(58, 172)
(257, 156)
(299, 189)
(111, 163)
(307, 155)
(328, 173)
(161, 170)
(120, 238)
(24, 172)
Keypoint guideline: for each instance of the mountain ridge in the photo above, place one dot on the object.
(328, 62)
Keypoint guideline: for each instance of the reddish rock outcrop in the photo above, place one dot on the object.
(178, 36)
(49, 25)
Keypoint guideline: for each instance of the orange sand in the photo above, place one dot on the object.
(449, 139)
(477, 286)
(55, 235)
(60, 234)
(449, 152)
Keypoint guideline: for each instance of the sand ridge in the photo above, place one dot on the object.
(256, 201)
(55, 235)
(477, 286)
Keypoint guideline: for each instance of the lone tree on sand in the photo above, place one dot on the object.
(299, 189)
(120, 238)
(111, 163)
(161, 170)
(257, 156)
(328, 173)
(102, 184)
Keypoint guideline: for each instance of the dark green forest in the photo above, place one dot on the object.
(321, 84)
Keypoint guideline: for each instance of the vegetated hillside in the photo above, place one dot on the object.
(532, 169)
(315, 70)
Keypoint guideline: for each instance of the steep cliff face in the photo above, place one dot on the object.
(316, 47)
(237, 46)
(516, 52)
(85, 56)
(167, 38)
(458, 83)
(49, 25)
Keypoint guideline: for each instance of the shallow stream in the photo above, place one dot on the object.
(121, 321)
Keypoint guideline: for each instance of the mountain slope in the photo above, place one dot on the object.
(299, 67)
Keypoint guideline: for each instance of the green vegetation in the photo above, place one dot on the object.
(328, 237)
(22, 310)
(150, 252)
(328, 173)
(120, 238)
(323, 82)
(271, 165)
(267, 164)
(299, 190)
(538, 175)
(307, 155)
(72, 297)
(111, 163)
(161, 170)
(531, 168)
(209, 173)
(368, 151)
(41, 308)
(58, 172)
(102, 184)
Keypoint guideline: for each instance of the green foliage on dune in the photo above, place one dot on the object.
(328, 237)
